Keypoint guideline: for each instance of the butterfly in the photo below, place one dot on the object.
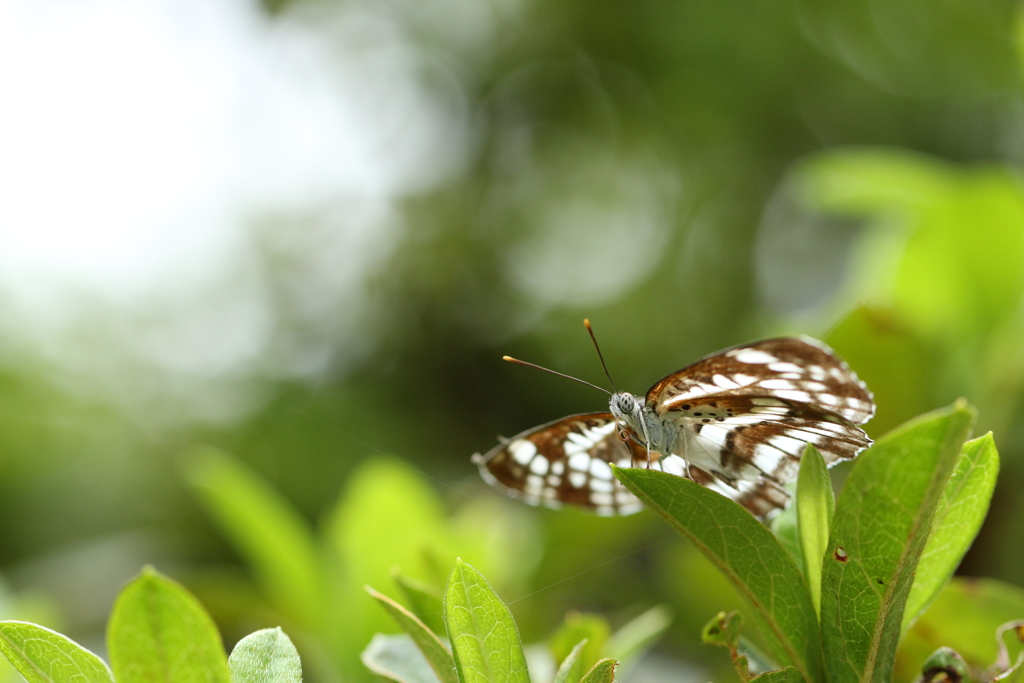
(736, 422)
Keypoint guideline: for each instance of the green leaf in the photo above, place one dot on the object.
(957, 521)
(964, 616)
(266, 656)
(880, 528)
(955, 280)
(436, 654)
(159, 633)
(784, 526)
(867, 179)
(484, 637)
(388, 517)
(424, 601)
(633, 640)
(815, 504)
(577, 627)
(724, 630)
(602, 672)
(955, 230)
(897, 362)
(571, 669)
(747, 553)
(44, 656)
(398, 659)
(265, 529)
(787, 675)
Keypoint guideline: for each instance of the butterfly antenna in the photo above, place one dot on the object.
(510, 359)
(586, 322)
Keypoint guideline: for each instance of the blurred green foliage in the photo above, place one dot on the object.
(485, 645)
(964, 617)
(157, 631)
(689, 175)
(387, 519)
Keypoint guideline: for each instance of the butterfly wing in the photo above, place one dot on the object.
(566, 462)
(760, 496)
(747, 413)
(793, 369)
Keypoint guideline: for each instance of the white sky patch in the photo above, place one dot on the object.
(140, 140)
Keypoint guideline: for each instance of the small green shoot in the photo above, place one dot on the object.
(571, 669)
(485, 640)
(437, 655)
(815, 504)
(266, 656)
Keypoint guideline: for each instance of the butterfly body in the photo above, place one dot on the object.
(736, 421)
(644, 427)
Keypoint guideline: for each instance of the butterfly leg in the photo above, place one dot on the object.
(647, 442)
(626, 436)
(727, 480)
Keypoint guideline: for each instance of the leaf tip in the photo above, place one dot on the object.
(987, 438)
(620, 472)
(961, 405)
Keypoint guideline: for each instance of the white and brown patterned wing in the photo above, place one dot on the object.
(795, 370)
(760, 494)
(565, 461)
(760, 497)
(749, 437)
(747, 414)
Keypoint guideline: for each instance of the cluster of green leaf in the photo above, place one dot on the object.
(839, 587)
(388, 517)
(485, 645)
(157, 631)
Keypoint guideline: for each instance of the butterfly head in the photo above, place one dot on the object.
(626, 407)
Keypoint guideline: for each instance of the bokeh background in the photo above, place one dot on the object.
(303, 233)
